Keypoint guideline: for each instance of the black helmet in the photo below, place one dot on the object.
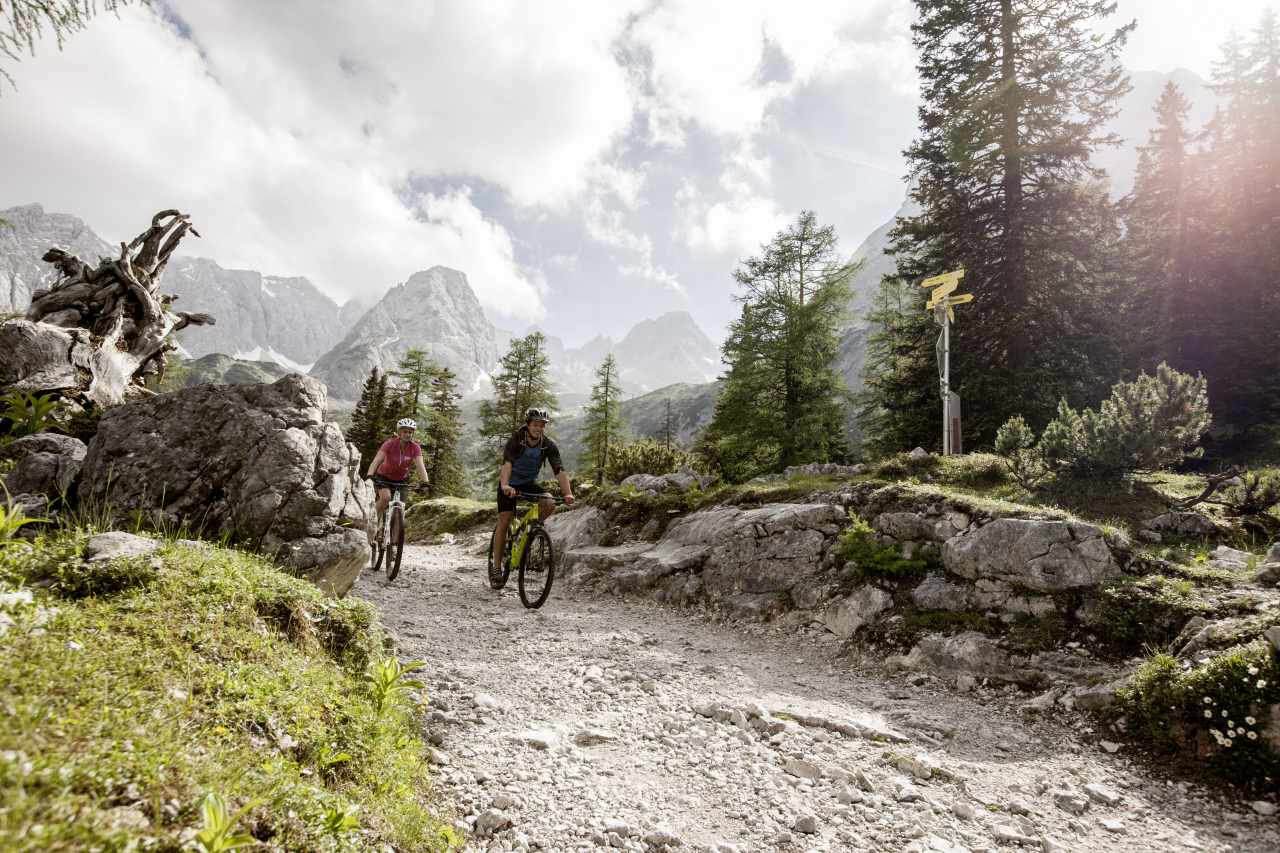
(533, 413)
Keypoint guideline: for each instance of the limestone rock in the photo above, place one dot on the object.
(935, 592)
(1042, 556)
(257, 462)
(576, 528)
(115, 543)
(973, 653)
(845, 617)
(40, 357)
(48, 464)
(1182, 524)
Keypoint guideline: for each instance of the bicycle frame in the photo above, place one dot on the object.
(386, 516)
(521, 534)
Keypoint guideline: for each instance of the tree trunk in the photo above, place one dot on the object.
(119, 303)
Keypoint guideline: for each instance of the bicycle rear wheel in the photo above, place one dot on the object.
(498, 574)
(537, 569)
(395, 550)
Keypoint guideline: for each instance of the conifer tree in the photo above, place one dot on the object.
(783, 403)
(520, 383)
(1014, 97)
(413, 377)
(604, 425)
(442, 434)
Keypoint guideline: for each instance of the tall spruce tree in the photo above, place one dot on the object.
(371, 422)
(1158, 221)
(520, 383)
(413, 377)
(442, 435)
(1014, 97)
(604, 426)
(783, 403)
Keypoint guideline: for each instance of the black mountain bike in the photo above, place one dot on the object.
(528, 552)
(389, 543)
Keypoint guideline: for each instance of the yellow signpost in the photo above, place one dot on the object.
(942, 303)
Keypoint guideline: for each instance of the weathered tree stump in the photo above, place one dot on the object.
(128, 320)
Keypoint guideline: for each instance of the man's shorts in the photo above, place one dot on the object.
(506, 504)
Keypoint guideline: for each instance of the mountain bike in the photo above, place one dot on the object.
(528, 551)
(390, 542)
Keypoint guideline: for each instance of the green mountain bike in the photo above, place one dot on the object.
(528, 552)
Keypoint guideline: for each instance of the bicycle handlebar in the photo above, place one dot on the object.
(538, 496)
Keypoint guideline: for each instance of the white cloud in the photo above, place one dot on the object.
(608, 227)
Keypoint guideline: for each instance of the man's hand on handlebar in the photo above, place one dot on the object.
(568, 499)
(509, 491)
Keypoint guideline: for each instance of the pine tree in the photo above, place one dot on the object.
(413, 378)
(1014, 98)
(901, 376)
(366, 431)
(668, 427)
(604, 424)
(520, 383)
(1158, 217)
(783, 403)
(443, 432)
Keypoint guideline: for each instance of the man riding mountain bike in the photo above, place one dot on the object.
(391, 466)
(522, 460)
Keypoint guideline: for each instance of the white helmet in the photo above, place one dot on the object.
(406, 422)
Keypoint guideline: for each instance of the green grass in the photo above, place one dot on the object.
(1133, 612)
(428, 519)
(151, 687)
(863, 558)
(1177, 711)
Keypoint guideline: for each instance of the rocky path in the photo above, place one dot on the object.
(596, 723)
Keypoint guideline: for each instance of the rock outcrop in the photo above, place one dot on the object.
(256, 462)
(48, 464)
(745, 560)
(41, 357)
(435, 311)
(1043, 556)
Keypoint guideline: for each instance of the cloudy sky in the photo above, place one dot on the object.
(586, 164)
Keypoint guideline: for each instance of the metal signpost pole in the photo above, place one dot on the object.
(942, 303)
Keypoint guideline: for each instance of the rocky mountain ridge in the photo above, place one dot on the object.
(283, 319)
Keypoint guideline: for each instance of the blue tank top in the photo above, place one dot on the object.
(526, 468)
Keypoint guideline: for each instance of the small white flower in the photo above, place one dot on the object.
(1250, 720)
(1253, 735)
(1262, 682)
(1208, 701)
(1226, 741)
(1231, 724)
(1224, 714)
(1208, 713)
(1231, 732)
(1253, 670)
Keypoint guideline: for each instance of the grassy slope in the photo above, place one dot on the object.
(156, 682)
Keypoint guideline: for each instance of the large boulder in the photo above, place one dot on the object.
(969, 653)
(258, 463)
(48, 464)
(1037, 555)
(845, 617)
(576, 528)
(744, 558)
(677, 481)
(41, 357)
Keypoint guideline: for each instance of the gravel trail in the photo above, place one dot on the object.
(609, 723)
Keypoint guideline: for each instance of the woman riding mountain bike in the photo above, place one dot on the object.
(390, 470)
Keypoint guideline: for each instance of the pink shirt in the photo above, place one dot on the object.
(397, 458)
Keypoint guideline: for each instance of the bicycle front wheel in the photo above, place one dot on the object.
(537, 569)
(395, 549)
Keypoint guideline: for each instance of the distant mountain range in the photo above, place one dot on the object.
(288, 321)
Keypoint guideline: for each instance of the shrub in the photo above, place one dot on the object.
(646, 456)
(1151, 423)
(1255, 494)
(1220, 709)
(900, 466)
(975, 470)
(28, 413)
(858, 545)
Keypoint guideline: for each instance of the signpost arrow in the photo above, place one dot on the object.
(942, 304)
